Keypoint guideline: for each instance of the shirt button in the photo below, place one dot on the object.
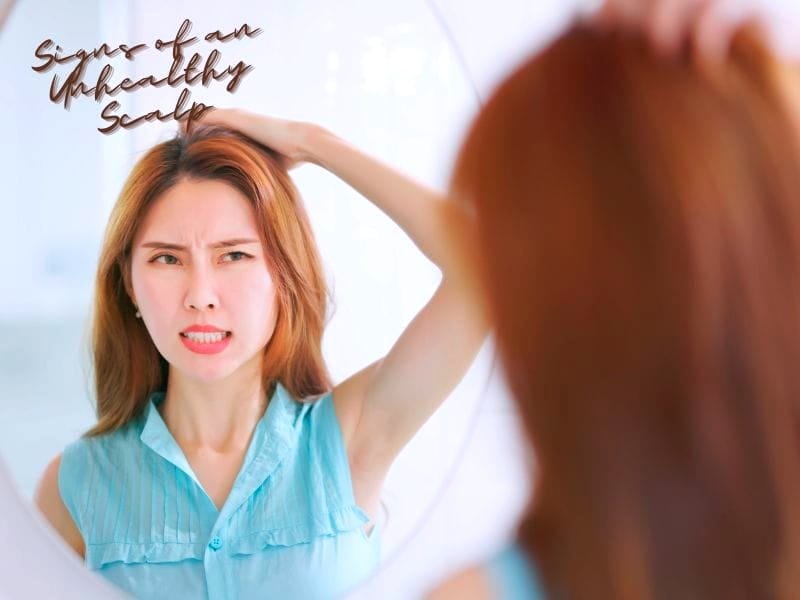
(215, 543)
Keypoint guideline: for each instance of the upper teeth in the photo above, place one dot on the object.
(205, 337)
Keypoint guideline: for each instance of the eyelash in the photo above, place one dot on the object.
(244, 254)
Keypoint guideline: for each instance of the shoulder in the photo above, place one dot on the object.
(314, 415)
(317, 424)
(86, 468)
(93, 459)
(47, 498)
(318, 452)
(469, 584)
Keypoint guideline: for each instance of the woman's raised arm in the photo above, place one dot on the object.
(382, 406)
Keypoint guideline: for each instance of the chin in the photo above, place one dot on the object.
(213, 370)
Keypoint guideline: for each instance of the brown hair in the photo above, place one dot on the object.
(127, 365)
(639, 222)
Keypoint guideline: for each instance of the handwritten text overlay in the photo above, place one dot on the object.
(179, 75)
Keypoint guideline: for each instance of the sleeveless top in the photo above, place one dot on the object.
(290, 527)
(512, 576)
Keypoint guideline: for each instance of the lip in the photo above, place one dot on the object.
(206, 347)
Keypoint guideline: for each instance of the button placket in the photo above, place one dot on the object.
(214, 568)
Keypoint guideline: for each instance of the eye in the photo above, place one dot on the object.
(167, 256)
(239, 256)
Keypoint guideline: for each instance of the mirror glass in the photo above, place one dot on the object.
(401, 81)
(383, 76)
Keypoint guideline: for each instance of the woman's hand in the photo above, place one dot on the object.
(710, 24)
(287, 138)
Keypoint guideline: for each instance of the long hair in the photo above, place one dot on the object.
(639, 223)
(127, 365)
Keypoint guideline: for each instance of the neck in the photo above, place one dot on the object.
(219, 416)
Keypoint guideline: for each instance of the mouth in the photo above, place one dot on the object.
(205, 337)
(205, 342)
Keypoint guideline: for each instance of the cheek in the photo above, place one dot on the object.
(254, 295)
(156, 293)
(161, 302)
(160, 299)
(143, 287)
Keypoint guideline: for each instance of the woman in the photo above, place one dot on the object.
(639, 240)
(224, 463)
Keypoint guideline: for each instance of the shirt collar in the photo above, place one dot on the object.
(274, 434)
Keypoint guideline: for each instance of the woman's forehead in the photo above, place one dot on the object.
(200, 212)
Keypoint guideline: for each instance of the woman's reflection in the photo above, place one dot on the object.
(224, 463)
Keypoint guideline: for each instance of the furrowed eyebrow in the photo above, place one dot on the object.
(222, 244)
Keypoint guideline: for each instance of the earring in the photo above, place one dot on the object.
(138, 315)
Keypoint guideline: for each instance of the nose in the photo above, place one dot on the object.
(200, 293)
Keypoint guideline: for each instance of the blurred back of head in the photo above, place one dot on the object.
(639, 223)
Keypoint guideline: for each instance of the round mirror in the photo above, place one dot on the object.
(401, 82)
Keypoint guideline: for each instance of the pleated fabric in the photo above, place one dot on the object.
(290, 527)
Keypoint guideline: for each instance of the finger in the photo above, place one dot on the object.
(669, 24)
(712, 36)
(604, 16)
(587, 11)
(717, 27)
(5, 10)
(187, 126)
(622, 13)
(210, 116)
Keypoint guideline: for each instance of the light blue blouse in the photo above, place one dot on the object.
(290, 527)
(512, 576)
